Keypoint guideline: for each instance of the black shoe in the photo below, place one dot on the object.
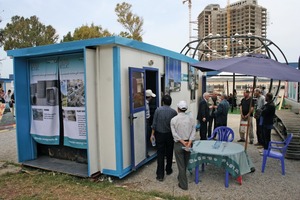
(169, 172)
(251, 142)
(160, 179)
(252, 169)
(182, 187)
(241, 140)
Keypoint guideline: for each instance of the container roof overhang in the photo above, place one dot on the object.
(81, 45)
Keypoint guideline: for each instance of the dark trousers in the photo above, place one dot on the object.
(203, 130)
(182, 158)
(259, 132)
(165, 144)
(212, 120)
(266, 137)
(149, 130)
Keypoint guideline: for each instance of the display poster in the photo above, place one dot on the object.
(44, 101)
(193, 81)
(71, 71)
(172, 75)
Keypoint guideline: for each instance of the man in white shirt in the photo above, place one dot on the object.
(183, 131)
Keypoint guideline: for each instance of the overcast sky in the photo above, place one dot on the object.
(166, 22)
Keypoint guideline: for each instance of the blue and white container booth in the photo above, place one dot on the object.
(81, 105)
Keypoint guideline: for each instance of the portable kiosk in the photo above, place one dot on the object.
(80, 106)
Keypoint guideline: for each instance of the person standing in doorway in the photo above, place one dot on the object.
(267, 114)
(149, 114)
(161, 130)
(222, 111)
(203, 116)
(260, 102)
(183, 131)
(247, 115)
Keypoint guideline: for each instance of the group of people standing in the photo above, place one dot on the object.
(263, 111)
(212, 111)
(175, 131)
(8, 99)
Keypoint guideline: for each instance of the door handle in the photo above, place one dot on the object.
(131, 118)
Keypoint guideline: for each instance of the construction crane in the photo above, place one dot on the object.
(190, 17)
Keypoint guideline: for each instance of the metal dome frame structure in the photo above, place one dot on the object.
(235, 45)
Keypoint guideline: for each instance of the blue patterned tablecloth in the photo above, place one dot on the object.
(228, 155)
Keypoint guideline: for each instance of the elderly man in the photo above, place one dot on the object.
(183, 131)
(222, 111)
(203, 116)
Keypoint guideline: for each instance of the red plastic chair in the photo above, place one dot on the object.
(276, 150)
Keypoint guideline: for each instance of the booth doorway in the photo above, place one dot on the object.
(139, 81)
(151, 83)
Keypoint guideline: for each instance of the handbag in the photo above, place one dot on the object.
(243, 126)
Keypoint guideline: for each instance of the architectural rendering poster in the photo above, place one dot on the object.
(44, 101)
(71, 70)
(193, 81)
(172, 75)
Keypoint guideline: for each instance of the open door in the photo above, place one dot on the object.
(137, 116)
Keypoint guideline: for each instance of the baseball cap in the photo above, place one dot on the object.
(182, 105)
(149, 93)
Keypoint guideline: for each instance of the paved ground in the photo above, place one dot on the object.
(257, 185)
(8, 150)
(269, 185)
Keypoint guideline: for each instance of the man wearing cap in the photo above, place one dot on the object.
(149, 113)
(183, 131)
(161, 130)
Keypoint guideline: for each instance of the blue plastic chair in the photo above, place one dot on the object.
(222, 133)
(276, 150)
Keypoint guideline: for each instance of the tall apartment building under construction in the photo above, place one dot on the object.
(244, 17)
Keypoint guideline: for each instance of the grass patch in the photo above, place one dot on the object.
(37, 184)
(234, 111)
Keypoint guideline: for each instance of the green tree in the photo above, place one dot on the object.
(86, 32)
(131, 22)
(27, 32)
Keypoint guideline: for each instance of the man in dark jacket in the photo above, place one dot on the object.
(203, 116)
(267, 115)
(222, 111)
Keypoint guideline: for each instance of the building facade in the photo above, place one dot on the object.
(244, 17)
